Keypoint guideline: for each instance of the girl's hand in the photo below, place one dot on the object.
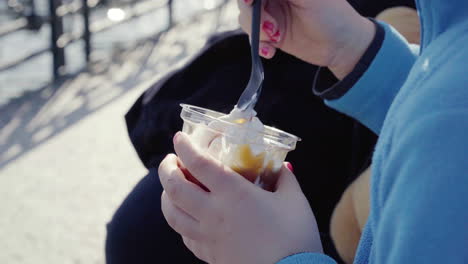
(236, 221)
(327, 33)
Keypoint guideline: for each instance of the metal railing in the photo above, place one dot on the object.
(60, 40)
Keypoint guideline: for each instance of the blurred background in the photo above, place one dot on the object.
(69, 71)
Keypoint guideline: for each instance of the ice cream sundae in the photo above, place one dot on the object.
(240, 141)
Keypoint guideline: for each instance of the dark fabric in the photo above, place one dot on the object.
(341, 87)
(371, 8)
(139, 233)
(334, 150)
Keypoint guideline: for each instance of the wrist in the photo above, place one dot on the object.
(352, 47)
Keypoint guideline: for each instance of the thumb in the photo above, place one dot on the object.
(287, 181)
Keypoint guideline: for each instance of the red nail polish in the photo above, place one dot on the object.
(265, 51)
(290, 167)
(268, 27)
(276, 37)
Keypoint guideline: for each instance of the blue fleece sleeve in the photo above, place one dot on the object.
(423, 195)
(371, 96)
(307, 258)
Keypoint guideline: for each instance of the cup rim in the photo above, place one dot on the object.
(193, 108)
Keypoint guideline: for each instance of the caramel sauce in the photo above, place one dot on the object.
(240, 121)
(248, 165)
(269, 177)
(251, 166)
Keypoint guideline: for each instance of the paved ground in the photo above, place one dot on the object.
(65, 160)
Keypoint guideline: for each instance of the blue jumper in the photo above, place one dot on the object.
(417, 101)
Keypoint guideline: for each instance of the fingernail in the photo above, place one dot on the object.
(265, 51)
(175, 137)
(290, 167)
(268, 27)
(276, 37)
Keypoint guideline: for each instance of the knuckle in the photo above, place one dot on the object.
(198, 253)
(204, 251)
(192, 234)
(173, 222)
(188, 243)
(169, 215)
(208, 253)
(163, 165)
(173, 187)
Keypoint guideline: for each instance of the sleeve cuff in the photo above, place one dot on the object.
(369, 98)
(320, 87)
(307, 258)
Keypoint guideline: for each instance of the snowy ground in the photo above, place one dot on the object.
(65, 160)
(37, 73)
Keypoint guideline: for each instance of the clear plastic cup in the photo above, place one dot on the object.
(258, 157)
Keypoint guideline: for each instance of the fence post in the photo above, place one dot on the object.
(58, 52)
(87, 32)
(170, 9)
(34, 20)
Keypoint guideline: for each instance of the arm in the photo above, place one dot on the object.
(423, 196)
(423, 200)
(368, 91)
(307, 258)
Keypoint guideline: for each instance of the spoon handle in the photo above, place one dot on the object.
(255, 36)
(249, 97)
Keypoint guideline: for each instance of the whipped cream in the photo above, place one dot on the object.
(246, 128)
(249, 129)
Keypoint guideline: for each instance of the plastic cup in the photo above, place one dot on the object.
(258, 157)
